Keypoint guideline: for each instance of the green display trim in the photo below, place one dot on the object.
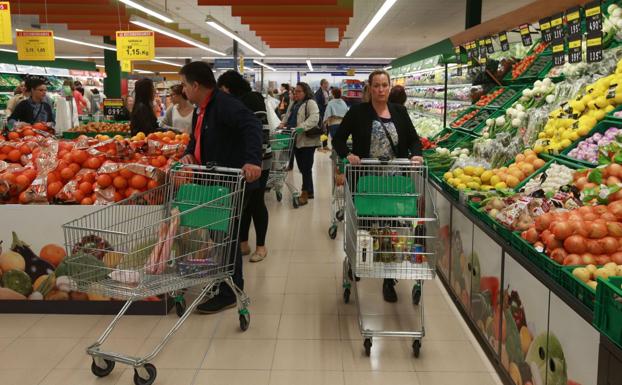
(11, 58)
(443, 47)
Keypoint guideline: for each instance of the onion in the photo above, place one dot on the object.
(614, 229)
(615, 208)
(602, 259)
(617, 258)
(610, 245)
(588, 259)
(595, 247)
(561, 230)
(558, 255)
(597, 230)
(575, 244)
(530, 235)
(543, 221)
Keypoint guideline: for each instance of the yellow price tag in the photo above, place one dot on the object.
(6, 33)
(592, 11)
(35, 45)
(574, 43)
(573, 15)
(135, 45)
(503, 37)
(594, 41)
(558, 48)
(351, 72)
(556, 22)
(126, 66)
(545, 26)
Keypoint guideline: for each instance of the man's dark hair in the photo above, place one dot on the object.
(35, 81)
(235, 82)
(398, 95)
(285, 85)
(200, 72)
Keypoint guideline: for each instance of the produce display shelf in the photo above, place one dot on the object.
(458, 85)
(468, 102)
(523, 78)
(600, 128)
(74, 135)
(608, 309)
(610, 115)
(483, 216)
(550, 160)
(578, 288)
(546, 264)
(480, 118)
(427, 114)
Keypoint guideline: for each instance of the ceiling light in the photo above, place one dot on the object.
(143, 71)
(214, 24)
(168, 72)
(148, 11)
(375, 20)
(101, 46)
(388, 59)
(387, 68)
(167, 63)
(173, 57)
(170, 33)
(78, 57)
(264, 65)
(309, 65)
(100, 66)
(8, 50)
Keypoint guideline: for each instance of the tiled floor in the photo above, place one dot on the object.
(301, 332)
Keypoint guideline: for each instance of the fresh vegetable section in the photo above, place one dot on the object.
(600, 146)
(471, 120)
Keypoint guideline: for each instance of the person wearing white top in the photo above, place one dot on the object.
(179, 114)
(335, 111)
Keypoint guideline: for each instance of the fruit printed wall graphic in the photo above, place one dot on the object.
(543, 355)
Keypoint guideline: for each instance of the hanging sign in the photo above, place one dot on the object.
(469, 51)
(126, 66)
(594, 47)
(503, 40)
(135, 45)
(545, 29)
(593, 17)
(458, 61)
(525, 34)
(575, 52)
(482, 47)
(241, 64)
(489, 45)
(113, 107)
(573, 19)
(559, 57)
(35, 45)
(6, 32)
(557, 26)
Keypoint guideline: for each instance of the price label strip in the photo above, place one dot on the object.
(575, 52)
(593, 17)
(559, 56)
(594, 47)
(573, 19)
(135, 45)
(545, 29)
(113, 107)
(557, 26)
(503, 41)
(35, 45)
(6, 32)
(525, 35)
(489, 46)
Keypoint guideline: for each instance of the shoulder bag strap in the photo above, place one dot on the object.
(386, 132)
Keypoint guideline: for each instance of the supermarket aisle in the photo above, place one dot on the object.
(301, 332)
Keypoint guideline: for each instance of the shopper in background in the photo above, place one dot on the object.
(78, 95)
(227, 133)
(335, 111)
(304, 115)
(142, 117)
(18, 96)
(489, 77)
(321, 97)
(283, 100)
(128, 106)
(398, 95)
(179, 114)
(35, 108)
(96, 100)
(379, 129)
(234, 84)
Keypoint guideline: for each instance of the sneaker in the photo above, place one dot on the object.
(388, 290)
(217, 304)
(257, 257)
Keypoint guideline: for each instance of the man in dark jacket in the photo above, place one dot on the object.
(321, 97)
(228, 134)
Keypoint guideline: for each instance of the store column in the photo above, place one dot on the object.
(473, 13)
(112, 82)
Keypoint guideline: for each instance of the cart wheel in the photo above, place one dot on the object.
(245, 321)
(295, 202)
(346, 295)
(417, 348)
(352, 278)
(332, 231)
(416, 294)
(180, 306)
(367, 345)
(279, 196)
(102, 372)
(151, 370)
(339, 215)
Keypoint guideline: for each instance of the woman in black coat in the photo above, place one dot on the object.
(143, 118)
(379, 130)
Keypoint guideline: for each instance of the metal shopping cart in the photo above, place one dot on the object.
(337, 197)
(282, 143)
(177, 236)
(391, 229)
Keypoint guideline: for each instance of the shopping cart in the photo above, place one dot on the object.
(337, 197)
(390, 232)
(282, 143)
(179, 235)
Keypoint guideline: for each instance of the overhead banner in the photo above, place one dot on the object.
(6, 32)
(35, 45)
(135, 45)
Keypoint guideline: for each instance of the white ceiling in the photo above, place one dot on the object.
(408, 26)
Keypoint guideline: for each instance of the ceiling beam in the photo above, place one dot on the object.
(295, 20)
(266, 2)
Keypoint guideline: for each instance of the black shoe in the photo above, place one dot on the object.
(310, 196)
(217, 304)
(388, 290)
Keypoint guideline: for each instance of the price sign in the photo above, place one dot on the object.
(575, 53)
(6, 33)
(126, 66)
(557, 27)
(35, 45)
(503, 40)
(458, 56)
(469, 51)
(559, 57)
(135, 45)
(545, 29)
(525, 34)
(573, 18)
(113, 107)
(593, 17)
(482, 47)
(489, 45)
(594, 47)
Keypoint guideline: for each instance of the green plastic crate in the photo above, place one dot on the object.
(505, 105)
(386, 196)
(470, 125)
(524, 78)
(214, 216)
(74, 135)
(541, 260)
(549, 161)
(600, 128)
(608, 309)
(578, 288)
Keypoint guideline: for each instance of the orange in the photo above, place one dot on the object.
(23, 198)
(6, 149)
(54, 188)
(53, 254)
(86, 201)
(89, 177)
(104, 180)
(14, 156)
(78, 196)
(66, 173)
(93, 163)
(119, 182)
(79, 156)
(152, 184)
(138, 182)
(75, 167)
(125, 173)
(86, 188)
(118, 196)
(22, 182)
(13, 135)
(25, 149)
(31, 174)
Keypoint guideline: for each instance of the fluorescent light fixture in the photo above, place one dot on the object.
(101, 46)
(214, 24)
(264, 65)
(100, 66)
(167, 63)
(168, 72)
(309, 65)
(148, 11)
(143, 71)
(8, 50)
(170, 33)
(374, 21)
(306, 57)
(173, 57)
(387, 68)
(78, 57)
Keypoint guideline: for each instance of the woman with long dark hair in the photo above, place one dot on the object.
(143, 118)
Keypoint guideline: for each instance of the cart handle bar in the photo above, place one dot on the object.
(207, 167)
(395, 161)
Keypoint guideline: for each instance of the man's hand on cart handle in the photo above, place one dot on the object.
(353, 159)
(188, 159)
(416, 160)
(252, 172)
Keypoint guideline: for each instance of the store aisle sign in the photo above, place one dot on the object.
(126, 66)
(35, 45)
(113, 107)
(135, 45)
(6, 32)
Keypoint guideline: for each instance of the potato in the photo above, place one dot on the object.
(582, 274)
(603, 273)
(592, 284)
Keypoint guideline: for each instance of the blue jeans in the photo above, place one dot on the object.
(304, 160)
(332, 130)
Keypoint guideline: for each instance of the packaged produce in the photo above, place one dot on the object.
(551, 180)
